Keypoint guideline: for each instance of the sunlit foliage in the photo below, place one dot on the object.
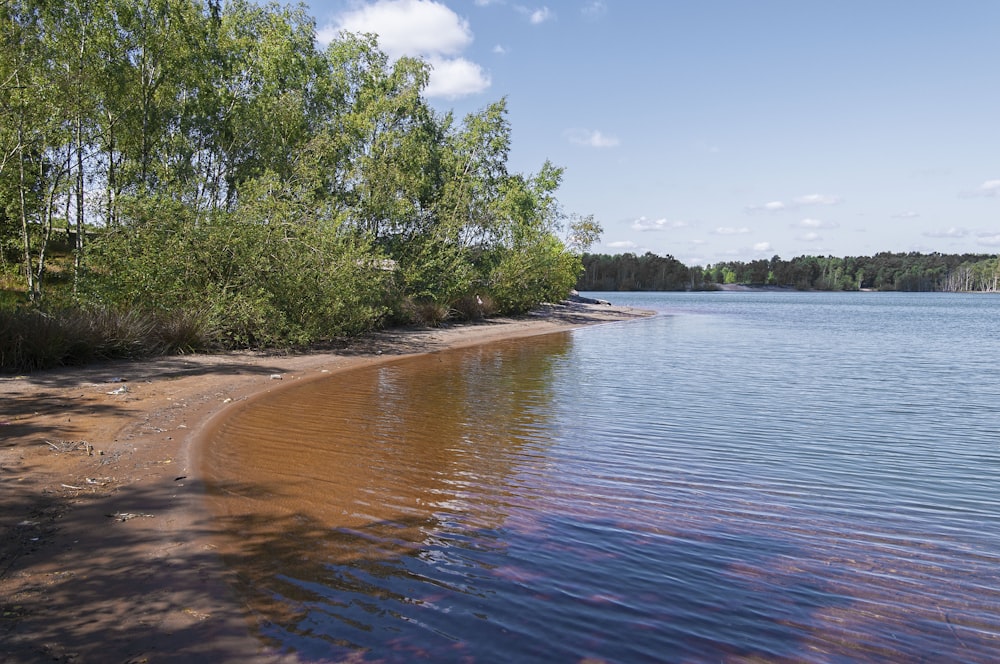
(209, 157)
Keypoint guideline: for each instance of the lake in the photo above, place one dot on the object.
(747, 476)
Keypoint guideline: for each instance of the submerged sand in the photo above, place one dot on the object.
(106, 548)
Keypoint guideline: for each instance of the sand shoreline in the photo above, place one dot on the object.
(107, 553)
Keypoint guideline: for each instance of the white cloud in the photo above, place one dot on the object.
(455, 77)
(623, 244)
(499, 49)
(810, 237)
(410, 27)
(540, 16)
(536, 16)
(816, 223)
(762, 247)
(951, 232)
(817, 199)
(424, 29)
(773, 206)
(989, 239)
(591, 138)
(644, 224)
(808, 199)
(731, 230)
(989, 188)
(594, 10)
(326, 34)
(909, 214)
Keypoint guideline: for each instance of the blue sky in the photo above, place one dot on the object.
(718, 130)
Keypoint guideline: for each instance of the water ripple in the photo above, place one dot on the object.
(754, 478)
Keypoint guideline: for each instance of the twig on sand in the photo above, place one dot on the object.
(71, 446)
(125, 516)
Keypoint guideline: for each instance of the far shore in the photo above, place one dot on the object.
(105, 551)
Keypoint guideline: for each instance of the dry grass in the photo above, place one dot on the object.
(32, 339)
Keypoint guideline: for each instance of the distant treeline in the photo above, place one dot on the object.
(884, 271)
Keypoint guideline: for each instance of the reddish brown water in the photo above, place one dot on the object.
(725, 484)
(363, 469)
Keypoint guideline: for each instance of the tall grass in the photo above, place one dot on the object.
(33, 339)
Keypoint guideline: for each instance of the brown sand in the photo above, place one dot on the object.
(106, 551)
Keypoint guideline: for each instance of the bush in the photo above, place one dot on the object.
(543, 271)
(254, 281)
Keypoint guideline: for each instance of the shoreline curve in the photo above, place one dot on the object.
(106, 552)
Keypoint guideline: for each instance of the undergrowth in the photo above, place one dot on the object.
(33, 339)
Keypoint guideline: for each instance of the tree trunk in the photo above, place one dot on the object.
(29, 274)
(50, 204)
(78, 250)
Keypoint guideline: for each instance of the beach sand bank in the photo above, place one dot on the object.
(106, 550)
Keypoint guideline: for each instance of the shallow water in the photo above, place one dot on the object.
(746, 477)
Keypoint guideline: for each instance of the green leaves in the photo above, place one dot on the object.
(259, 279)
(281, 193)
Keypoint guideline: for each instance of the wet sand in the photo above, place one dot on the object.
(107, 553)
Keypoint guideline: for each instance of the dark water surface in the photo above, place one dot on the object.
(747, 477)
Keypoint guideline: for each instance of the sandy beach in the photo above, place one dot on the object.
(106, 553)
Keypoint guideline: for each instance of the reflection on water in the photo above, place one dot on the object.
(756, 478)
(358, 492)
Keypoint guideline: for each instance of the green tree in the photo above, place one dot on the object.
(583, 233)
(530, 264)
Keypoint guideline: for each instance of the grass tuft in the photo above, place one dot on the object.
(34, 339)
(424, 312)
(473, 307)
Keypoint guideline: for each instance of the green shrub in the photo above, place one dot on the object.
(543, 271)
(255, 280)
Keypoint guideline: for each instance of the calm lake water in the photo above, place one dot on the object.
(766, 477)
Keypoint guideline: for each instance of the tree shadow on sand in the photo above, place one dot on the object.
(29, 415)
(123, 589)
